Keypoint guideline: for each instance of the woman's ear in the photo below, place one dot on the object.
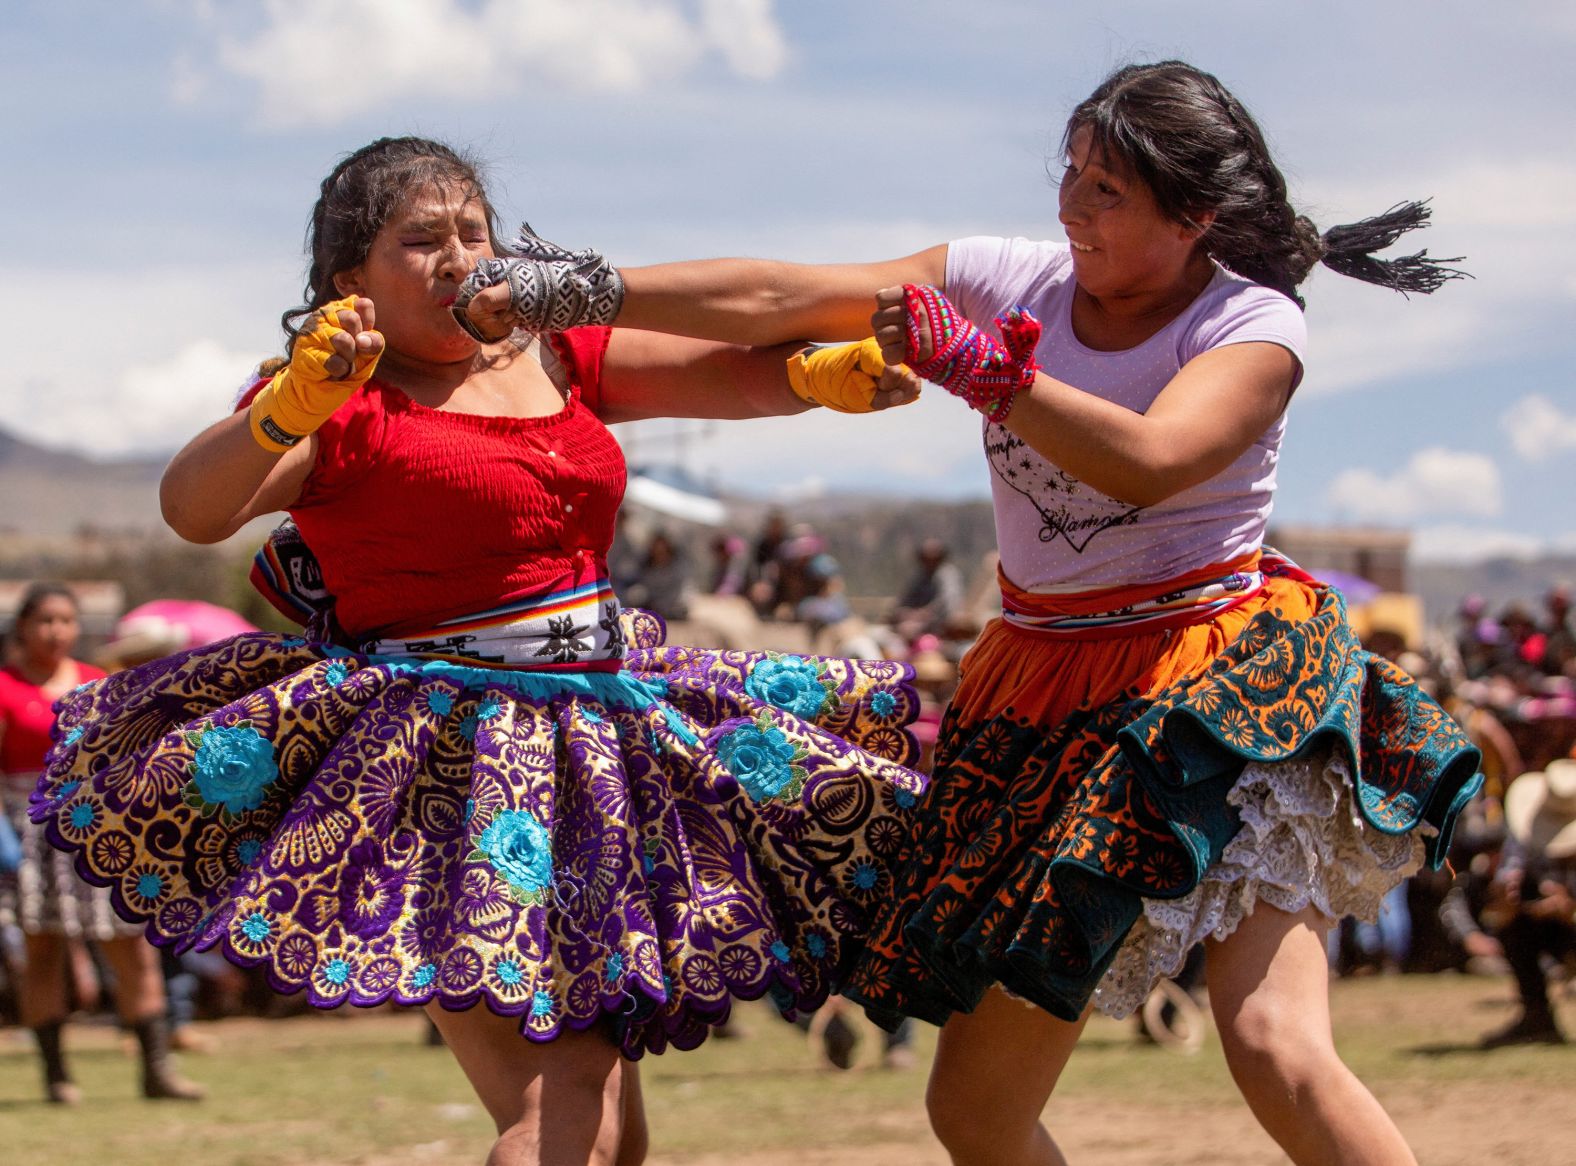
(1197, 224)
(349, 283)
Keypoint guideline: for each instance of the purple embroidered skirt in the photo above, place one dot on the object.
(639, 846)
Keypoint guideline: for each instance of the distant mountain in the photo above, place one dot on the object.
(47, 491)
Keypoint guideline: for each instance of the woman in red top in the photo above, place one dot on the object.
(49, 903)
(484, 784)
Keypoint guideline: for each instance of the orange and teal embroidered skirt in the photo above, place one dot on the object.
(1077, 776)
(637, 847)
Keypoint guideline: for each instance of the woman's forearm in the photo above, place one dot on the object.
(222, 478)
(761, 301)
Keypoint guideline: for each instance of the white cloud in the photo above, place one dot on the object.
(1435, 481)
(317, 64)
(1537, 428)
(166, 361)
(1511, 219)
(930, 449)
(747, 35)
(1452, 543)
(158, 406)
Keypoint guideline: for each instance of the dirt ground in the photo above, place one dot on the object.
(351, 1089)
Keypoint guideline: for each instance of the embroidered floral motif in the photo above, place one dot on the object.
(520, 850)
(565, 640)
(232, 767)
(423, 976)
(372, 893)
(793, 684)
(883, 703)
(376, 851)
(763, 760)
(257, 927)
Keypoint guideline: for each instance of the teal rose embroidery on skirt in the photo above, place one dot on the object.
(520, 850)
(231, 771)
(792, 684)
(763, 760)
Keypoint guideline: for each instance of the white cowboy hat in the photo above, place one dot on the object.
(1540, 810)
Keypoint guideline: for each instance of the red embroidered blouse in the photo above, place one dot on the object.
(419, 515)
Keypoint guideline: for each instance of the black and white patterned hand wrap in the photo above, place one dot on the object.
(550, 289)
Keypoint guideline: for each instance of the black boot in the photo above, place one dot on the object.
(58, 1086)
(160, 1081)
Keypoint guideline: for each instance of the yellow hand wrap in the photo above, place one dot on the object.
(841, 376)
(303, 396)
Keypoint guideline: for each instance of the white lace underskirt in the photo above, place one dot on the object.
(1302, 843)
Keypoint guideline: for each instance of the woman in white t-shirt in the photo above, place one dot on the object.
(1172, 736)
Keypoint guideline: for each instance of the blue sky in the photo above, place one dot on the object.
(163, 154)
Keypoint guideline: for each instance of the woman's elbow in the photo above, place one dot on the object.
(188, 522)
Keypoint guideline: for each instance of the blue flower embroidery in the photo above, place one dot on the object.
(68, 788)
(542, 1003)
(905, 799)
(248, 850)
(82, 816)
(866, 875)
(468, 727)
(762, 758)
(440, 702)
(149, 886)
(780, 952)
(883, 703)
(75, 734)
(590, 716)
(423, 976)
(615, 967)
(335, 673)
(257, 927)
(232, 768)
(816, 946)
(336, 971)
(488, 709)
(792, 683)
(520, 850)
(509, 972)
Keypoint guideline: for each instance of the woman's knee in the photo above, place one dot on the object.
(1273, 1044)
(964, 1120)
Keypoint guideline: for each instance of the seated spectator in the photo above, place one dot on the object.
(933, 597)
(1559, 647)
(1532, 903)
(730, 565)
(662, 583)
(826, 603)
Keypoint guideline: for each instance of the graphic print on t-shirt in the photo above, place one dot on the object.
(1068, 509)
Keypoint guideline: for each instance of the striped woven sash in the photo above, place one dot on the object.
(573, 629)
(1144, 607)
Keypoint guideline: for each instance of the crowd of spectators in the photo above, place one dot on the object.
(1504, 906)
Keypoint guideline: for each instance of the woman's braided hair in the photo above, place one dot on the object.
(1198, 149)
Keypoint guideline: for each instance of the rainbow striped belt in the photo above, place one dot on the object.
(1130, 610)
(575, 629)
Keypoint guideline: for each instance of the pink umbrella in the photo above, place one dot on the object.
(163, 626)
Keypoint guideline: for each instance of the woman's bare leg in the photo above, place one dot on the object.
(994, 1071)
(636, 1137)
(139, 981)
(554, 1104)
(1270, 991)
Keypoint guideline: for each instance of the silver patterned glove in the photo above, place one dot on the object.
(550, 288)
